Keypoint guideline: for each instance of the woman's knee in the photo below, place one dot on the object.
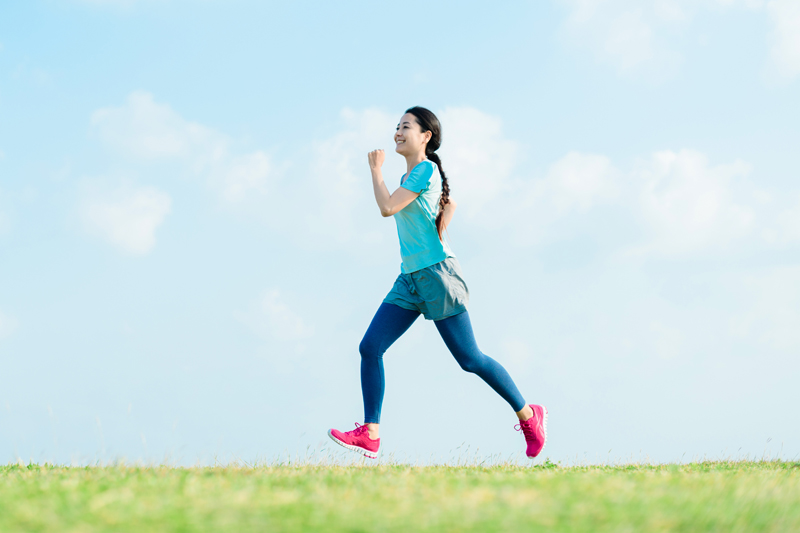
(369, 349)
(470, 364)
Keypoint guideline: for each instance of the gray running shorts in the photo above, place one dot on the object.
(437, 291)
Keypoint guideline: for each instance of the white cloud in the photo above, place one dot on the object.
(147, 131)
(629, 40)
(690, 205)
(623, 33)
(127, 217)
(789, 223)
(675, 203)
(785, 227)
(638, 37)
(8, 324)
(573, 184)
(272, 318)
(785, 37)
(244, 175)
(578, 181)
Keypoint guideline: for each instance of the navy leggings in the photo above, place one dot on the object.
(391, 321)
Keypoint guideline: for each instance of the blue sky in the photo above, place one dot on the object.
(190, 251)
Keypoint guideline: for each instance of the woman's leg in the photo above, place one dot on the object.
(456, 331)
(388, 324)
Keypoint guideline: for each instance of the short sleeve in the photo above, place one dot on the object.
(419, 178)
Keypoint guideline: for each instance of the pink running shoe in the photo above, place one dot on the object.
(535, 430)
(357, 440)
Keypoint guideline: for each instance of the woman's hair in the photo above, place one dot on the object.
(428, 122)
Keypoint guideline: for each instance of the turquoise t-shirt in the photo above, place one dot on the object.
(420, 246)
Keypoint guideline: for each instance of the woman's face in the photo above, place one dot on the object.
(409, 138)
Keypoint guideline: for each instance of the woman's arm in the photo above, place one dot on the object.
(447, 214)
(389, 204)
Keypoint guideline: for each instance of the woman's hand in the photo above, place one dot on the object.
(376, 158)
(449, 211)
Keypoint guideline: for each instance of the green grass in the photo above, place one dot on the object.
(710, 496)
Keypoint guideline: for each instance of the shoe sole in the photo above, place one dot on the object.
(362, 451)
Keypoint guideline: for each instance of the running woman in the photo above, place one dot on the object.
(430, 283)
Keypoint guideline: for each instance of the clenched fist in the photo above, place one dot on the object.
(376, 158)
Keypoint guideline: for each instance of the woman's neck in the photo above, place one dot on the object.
(414, 160)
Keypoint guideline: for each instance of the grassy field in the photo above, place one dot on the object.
(712, 496)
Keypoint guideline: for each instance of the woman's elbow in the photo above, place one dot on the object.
(386, 212)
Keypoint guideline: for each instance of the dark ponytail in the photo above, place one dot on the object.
(428, 122)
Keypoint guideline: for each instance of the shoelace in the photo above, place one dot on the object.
(358, 431)
(527, 429)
